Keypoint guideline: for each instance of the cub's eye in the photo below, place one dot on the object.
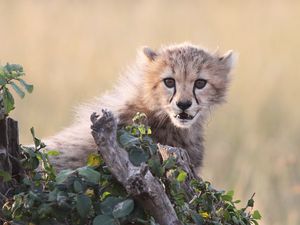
(200, 83)
(169, 82)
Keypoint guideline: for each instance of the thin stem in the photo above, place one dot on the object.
(3, 196)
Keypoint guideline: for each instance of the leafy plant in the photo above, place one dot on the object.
(9, 74)
(90, 195)
(86, 195)
(208, 206)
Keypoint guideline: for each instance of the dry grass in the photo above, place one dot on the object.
(73, 50)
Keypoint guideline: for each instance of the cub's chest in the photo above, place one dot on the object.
(175, 138)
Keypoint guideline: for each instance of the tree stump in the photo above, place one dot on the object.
(9, 155)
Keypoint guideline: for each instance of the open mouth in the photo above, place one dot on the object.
(184, 116)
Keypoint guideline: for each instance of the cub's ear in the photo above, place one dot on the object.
(149, 53)
(228, 59)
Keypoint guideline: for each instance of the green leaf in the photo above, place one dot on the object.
(13, 68)
(126, 139)
(155, 166)
(197, 218)
(62, 198)
(181, 176)
(256, 215)
(137, 156)
(250, 202)
(30, 163)
(63, 175)
(29, 151)
(228, 196)
(241, 222)
(105, 194)
(169, 163)
(230, 193)
(53, 195)
(44, 210)
(8, 101)
(2, 80)
(28, 87)
(142, 129)
(89, 174)
(77, 186)
(53, 153)
(5, 175)
(26, 181)
(235, 220)
(123, 209)
(37, 142)
(83, 205)
(94, 160)
(107, 206)
(32, 132)
(17, 89)
(103, 220)
(149, 146)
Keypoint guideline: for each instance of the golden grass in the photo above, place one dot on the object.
(73, 50)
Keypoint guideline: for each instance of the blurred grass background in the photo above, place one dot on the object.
(74, 50)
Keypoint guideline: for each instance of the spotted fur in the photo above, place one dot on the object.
(142, 89)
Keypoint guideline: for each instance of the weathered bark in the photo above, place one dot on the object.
(9, 153)
(182, 161)
(138, 181)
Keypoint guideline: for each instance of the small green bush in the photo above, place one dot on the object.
(90, 195)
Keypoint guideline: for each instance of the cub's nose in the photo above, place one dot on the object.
(184, 105)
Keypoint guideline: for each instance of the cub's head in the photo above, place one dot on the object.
(184, 81)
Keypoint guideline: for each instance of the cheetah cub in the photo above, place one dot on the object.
(175, 87)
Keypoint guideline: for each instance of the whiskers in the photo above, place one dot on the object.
(163, 117)
(206, 112)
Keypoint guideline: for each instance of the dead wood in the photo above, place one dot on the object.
(138, 181)
(9, 155)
